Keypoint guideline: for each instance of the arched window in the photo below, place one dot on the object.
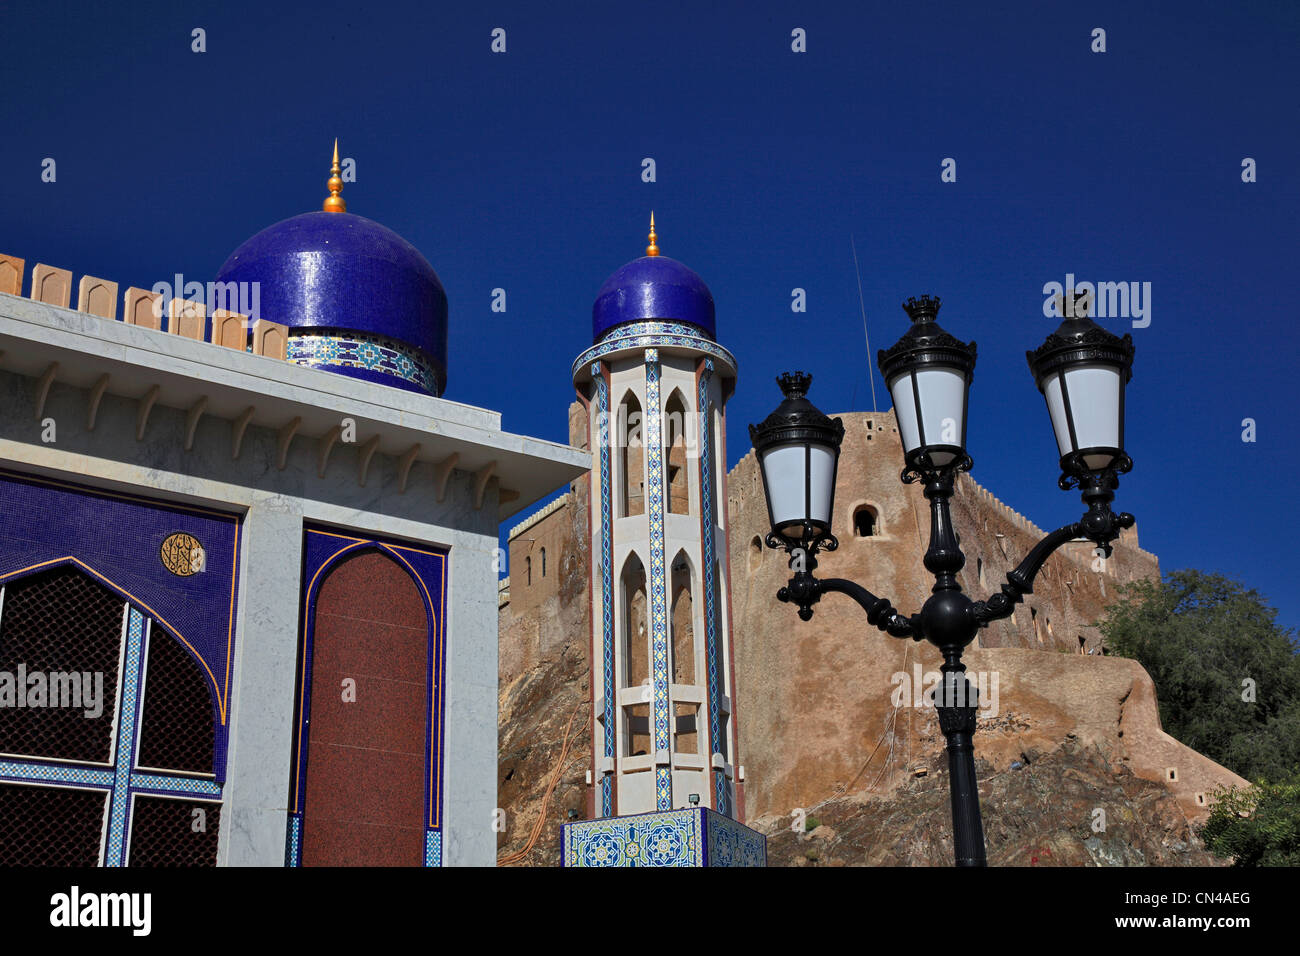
(683, 623)
(528, 569)
(631, 457)
(636, 639)
(755, 553)
(676, 477)
(635, 652)
(543, 562)
(65, 633)
(979, 572)
(865, 521)
(370, 646)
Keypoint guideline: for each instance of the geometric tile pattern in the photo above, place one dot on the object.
(651, 334)
(721, 803)
(658, 585)
(432, 848)
(695, 836)
(374, 353)
(728, 843)
(606, 588)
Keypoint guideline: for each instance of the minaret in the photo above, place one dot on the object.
(655, 383)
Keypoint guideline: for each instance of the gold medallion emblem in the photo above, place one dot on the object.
(182, 554)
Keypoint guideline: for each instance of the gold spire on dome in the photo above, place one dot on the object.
(652, 249)
(334, 202)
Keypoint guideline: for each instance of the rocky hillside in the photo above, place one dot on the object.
(1068, 808)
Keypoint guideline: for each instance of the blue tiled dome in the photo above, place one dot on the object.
(359, 299)
(653, 287)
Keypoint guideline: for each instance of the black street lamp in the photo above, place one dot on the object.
(1081, 370)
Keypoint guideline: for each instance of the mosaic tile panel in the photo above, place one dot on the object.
(606, 587)
(648, 839)
(375, 353)
(728, 843)
(691, 837)
(658, 582)
(432, 848)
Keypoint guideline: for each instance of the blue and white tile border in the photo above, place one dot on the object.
(658, 583)
(721, 801)
(373, 353)
(606, 590)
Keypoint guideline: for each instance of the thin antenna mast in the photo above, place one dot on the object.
(871, 375)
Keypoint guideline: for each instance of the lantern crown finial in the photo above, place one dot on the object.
(924, 309)
(794, 384)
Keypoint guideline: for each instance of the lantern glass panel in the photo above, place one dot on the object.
(1094, 392)
(787, 472)
(821, 475)
(943, 410)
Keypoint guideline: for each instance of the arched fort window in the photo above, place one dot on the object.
(110, 724)
(865, 522)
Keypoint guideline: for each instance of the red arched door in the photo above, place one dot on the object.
(369, 711)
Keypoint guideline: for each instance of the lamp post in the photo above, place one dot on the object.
(1081, 370)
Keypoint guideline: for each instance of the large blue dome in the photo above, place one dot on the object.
(359, 299)
(653, 287)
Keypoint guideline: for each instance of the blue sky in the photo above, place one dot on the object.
(522, 171)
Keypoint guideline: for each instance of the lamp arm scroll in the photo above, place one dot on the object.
(804, 591)
(1101, 525)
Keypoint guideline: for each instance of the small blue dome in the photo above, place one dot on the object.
(653, 287)
(359, 299)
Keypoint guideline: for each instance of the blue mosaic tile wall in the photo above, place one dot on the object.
(121, 541)
(692, 837)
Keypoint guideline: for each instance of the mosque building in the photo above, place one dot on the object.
(248, 563)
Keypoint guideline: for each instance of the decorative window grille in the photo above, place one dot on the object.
(134, 783)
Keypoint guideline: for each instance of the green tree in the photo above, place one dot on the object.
(1211, 645)
(1256, 827)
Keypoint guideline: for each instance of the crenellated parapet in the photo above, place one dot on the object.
(151, 310)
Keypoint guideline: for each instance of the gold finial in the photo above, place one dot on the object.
(652, 249)
(334, 202)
